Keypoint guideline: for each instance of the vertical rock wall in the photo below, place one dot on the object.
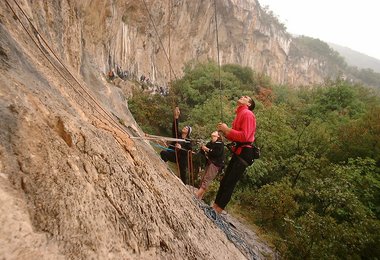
(143, 38)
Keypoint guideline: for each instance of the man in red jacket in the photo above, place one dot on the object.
(243, 133)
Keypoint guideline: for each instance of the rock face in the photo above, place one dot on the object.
(156, 38)
(73, 184)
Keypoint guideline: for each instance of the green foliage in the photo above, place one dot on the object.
(339, 98)
(148, 109)
(316, 187)
(206, 116)
(269, 18)
(359, 138)
(207, 100)
(337, 66)
(245, 75)
(368, 76)
(274, 203)
(307, 139)
(311, 47)
(364, 177)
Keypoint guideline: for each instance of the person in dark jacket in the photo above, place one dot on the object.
(243, 134)
(214, 152)
(179, 150)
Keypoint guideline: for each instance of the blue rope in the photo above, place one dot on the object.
(232, 234)
(163, 147)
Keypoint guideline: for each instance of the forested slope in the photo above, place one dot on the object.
(316, 188)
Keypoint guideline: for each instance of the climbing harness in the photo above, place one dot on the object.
(236, 145)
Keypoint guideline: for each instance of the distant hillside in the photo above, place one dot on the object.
(354, 58)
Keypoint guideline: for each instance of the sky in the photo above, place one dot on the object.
(349, 23)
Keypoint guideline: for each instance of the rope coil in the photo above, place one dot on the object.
(232, 234)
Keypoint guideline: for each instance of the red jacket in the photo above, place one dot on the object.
(243, 127)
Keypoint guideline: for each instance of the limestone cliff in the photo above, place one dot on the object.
(143, 36)
(73, 184)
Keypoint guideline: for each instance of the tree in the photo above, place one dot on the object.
(339, 98)
(359, 138)
(206, 116)
(152, 112)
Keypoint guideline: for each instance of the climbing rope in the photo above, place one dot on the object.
(169, 139)
(169, 40)
(232, 234)
(217, 50)
(92, 102)
(168, 57)
(190, 167)
(170, 79)
(159, 38)
(161, 138)
(162, 147)
(176, 149)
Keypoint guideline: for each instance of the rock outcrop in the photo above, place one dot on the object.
(73, 184)
(156, 39)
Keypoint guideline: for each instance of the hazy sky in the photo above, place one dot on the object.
(353, 24)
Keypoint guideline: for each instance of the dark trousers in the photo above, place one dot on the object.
(182, 161)
(233, 173)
